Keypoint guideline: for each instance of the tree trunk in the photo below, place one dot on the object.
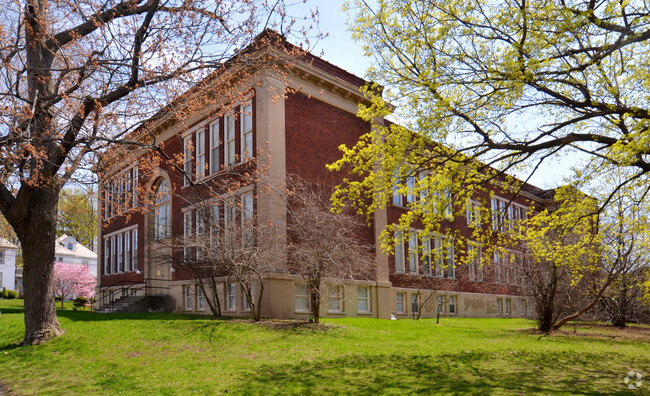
(314, 305)
(38, 238)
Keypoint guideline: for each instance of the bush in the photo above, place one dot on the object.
(57, 298)
(11, 294)
(3, 293)
(79, 302)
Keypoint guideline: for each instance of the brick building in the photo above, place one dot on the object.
(297, 131)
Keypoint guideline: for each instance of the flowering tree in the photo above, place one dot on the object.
(70, 279)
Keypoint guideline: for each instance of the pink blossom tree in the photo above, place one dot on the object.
(70, 279)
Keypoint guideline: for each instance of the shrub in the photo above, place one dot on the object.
(3, 294)
(11, 294)
(79, 302)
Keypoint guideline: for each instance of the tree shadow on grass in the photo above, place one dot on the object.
(472, 373)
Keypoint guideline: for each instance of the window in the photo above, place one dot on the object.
(120, 257)
(127, 251)
(187, 297)
(363, 299)
(200, 299)
(201, 220)
(499, 306)
(113, 257)
(134, 251)
(214, 226)
(162, 212)
(247, 211)
(452, 305)
(410, 192)
(413, 252)
(187, 235)
(246, 304)
(302, 298)
(425, 260)
(231, 297)
(200, 154)
(507, 216)
(214, 147)
(444, 255)
(107, 256)
(502, 267)
(523, 308)
(415, 303)
(187, 159)
(229, 214)
(335, 300)
(2, 256)
(246, 131)
(401, 297)
(399, 252)
(473, 213)
(441, 305)
(507, 306)
(229, 150)
(474, 257)
(120, 192)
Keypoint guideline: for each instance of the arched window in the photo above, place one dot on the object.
(161, 210)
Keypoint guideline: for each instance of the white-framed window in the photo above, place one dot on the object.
(301, 297)
(425, 259)
(200, 154)
(415, 303)
(114, 256)
(413, 252)
(229, 149)
(335, 299)
(397, 197)
(187, 159)
(107, 256)
(502, 266)
(506, 215)
(162, 210)
(400, 298)
(507, 306)
(410, 190)
(120, 192)
(214, 226)
(499, 306)
(474, 261)
(200, 299)
(2, 256)
(473, 213)
(453, 301)
(246, 128)
(127, 251)
(444, 258)
(363, 300)
(247, 212)
(188, 297)
(214, 147)
(246, 306)
(134, 250)
(187, 235)
(441, 304)
(231, 296)
(120, 257)
(523, 307)
(201, 219)
(399, 252)
(229, 214)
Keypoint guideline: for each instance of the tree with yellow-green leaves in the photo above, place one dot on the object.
(486, 89)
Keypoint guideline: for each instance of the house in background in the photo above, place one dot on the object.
(69, 251)
(297, 122)
(7, 264)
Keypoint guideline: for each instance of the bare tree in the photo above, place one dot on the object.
(324, 246)
(78, 75)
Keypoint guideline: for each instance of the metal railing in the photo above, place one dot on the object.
(126, 289)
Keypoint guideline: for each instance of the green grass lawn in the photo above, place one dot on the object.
(166, 354)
